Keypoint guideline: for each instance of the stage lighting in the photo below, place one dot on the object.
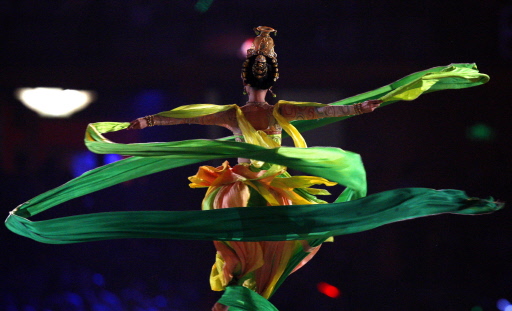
(328, 290)
(503, 305)
(245, 46)
(54, 102)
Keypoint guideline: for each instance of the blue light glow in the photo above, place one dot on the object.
(100, 307)
(82, 162)
(98, 279)
(110, 298)
(74, 299)
(503, 304)
(160, 301)
(111, 158)
(150, 101)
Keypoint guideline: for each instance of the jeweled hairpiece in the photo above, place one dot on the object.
(260, 69)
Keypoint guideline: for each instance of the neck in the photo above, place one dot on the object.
(256, 95)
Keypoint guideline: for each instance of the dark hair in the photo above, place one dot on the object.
(260, 81)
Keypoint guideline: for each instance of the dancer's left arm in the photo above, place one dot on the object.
(297, 112)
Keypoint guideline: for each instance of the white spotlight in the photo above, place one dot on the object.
(54, 102)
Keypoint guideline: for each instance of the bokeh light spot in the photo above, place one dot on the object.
(110, 298)
(328, 290)
(74, 299)
(161, 301)
(502, 304)
(98, 279)
(111, 158)
(82, 162)
(54, 102)
(203, 5)
(100, 307)
(245, 46)
(480, 132)
(148, 101)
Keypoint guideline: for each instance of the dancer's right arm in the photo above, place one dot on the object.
(224, 118)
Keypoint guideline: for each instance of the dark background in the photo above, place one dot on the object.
(142, 57)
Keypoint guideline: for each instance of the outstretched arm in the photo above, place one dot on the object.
(225, 118)
(294, 112)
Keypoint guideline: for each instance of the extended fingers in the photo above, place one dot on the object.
(374, 101)
(371, 105)
(134, 125)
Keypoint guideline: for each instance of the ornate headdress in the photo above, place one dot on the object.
(260, 68)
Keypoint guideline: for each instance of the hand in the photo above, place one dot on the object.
(138, 124)
(219, 307)
(370, 105)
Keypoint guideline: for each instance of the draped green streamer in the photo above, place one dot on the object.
(454, 76)
(240, 298)
(264, 223)
(147, 158)
(351, 212)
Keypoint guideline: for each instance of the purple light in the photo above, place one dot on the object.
(504, 305)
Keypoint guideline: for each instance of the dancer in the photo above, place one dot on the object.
(265, 224)
(258, 265)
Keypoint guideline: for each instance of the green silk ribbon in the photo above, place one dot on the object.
(351, 212)
(240, 298)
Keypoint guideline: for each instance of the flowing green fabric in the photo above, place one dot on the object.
(454, 76)
(351, 212)
(264, 223)
(240, 298)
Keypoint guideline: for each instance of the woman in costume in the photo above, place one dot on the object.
(257, 265)
(292, 233)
